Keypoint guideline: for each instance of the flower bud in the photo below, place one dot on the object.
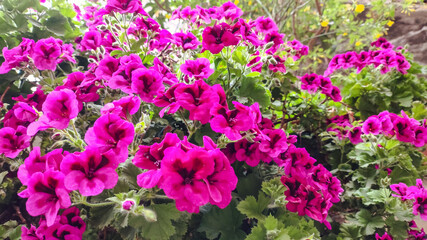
(128, 204)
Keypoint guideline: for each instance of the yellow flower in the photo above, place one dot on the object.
(236, 2)
(390, 23)
(358, 43)
(324, 23)
(345, 34)
(306, 9)
(250, 3)
(378, 35)
(167, 16)
(359, 8)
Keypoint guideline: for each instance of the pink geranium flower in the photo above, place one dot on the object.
(124, 107)
(21, 114)
(13, 141)
(17, 56)
(354, 135)
(198, 69)
(265, 25)
(89, 172)
(231, 122)
(275, 144)
(372, 125)
(168, 101)
(184, 174)
(217, 37)
(46, 53)
(58, 109)
(47, 194)
(186, 40)
(197, 98)
(107, 67)
(125, 6)
(229, 11)
(35, 162)
(147, 83)
(110, 132)
(222, 181)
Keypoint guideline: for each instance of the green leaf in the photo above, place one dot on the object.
(101, 217)
(57, 23)
(368, 221)
(254, 90)
(257, 233)
(130, 172)
(224, 222)
(253, 208)
(160, 229)
(398, 229)
(271, 223)
(419, 110)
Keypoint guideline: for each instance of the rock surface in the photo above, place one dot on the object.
(411, 29)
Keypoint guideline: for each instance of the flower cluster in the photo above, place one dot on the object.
(416, 194)
(405, 129)
(311, 189)
(44, 54)
(191, 175)
(68, 225)
(385, 58)
(312, 83)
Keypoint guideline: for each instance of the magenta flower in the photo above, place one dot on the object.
(354, 135)
(13, 141)
(198, 69)
(168, 76)
(89, 172)
(217, 37)
(229, 11)
(125, 6)
(147, 83)
(325, 85)
(247, 152)
(265, 25)
(335, 94)
(402, 64)
(403, 128)
(222, 181)
(46, 53)
(310, 82)
(348, 60)
(106, 68)
(91, 41)
(186, 40)
(128, 204)
(385, 236)
(84, 89)
(58, 109)
(420, 204)
(17, 56)
(122, 78)
(276, 144)
(37, 163)
(420, 136)
(21, 114)
(124, 107)
(197, 98)
(298, 48)
(279, 65)
(168, 101)
(47, 195)
(276, 38)
(110, 132)
(30, 234)
(231, 122)
(184, 174)
(242, 29)
(255, 63)
(35, 99)
(372, 125)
